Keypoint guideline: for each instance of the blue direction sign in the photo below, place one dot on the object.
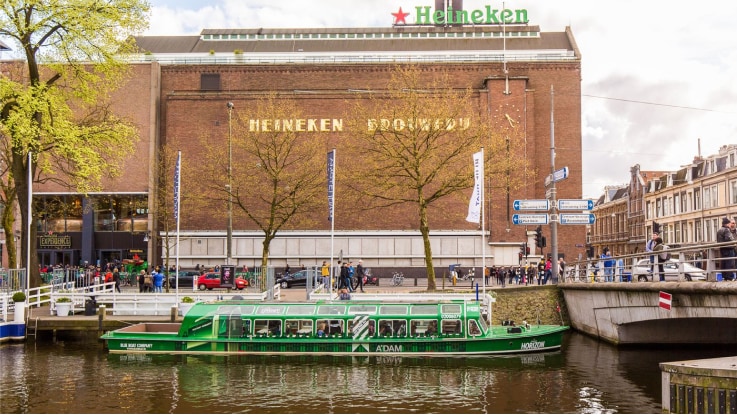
(575, 204)
(530, 219)
(557, 176)
(577, 218)
(536, 204)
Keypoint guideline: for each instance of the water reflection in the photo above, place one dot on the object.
(586, 377)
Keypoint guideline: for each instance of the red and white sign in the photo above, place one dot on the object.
(665, 300)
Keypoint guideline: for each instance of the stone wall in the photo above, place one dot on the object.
(528, 304)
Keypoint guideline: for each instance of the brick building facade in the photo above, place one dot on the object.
(181, 84)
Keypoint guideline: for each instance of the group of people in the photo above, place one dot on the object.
(151, 282)
(345, 274)
(541, 274)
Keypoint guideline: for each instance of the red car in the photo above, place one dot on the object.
(212, 280)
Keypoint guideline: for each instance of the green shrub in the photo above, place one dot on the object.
(19, 297)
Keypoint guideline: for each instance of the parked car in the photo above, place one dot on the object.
(641, 271)
(185, 280)
(212, 280)
(295, 279)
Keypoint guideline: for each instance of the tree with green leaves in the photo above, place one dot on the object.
(59, 111)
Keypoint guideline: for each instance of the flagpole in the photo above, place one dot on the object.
(30, 221)
(177, 190)
(331, 214)
(483, 228)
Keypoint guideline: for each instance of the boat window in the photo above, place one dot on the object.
(484, 326)
(423, 327)
(331, 309)
(362, 309)
(424, 309)
(450, 309)
(233, 310)
(367, 329)
(267, 327)
(392, 328)
(297, 327)
(451, 327)
(330, 327)
(473, 328)
(270, 309)
(300, 310)
(393, 309)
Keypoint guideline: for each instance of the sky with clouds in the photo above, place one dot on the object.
(656, 76)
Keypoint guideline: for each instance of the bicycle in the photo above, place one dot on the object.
(397, 278)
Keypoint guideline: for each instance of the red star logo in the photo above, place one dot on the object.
(400, 16)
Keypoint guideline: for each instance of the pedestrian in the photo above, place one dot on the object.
(343, 279)
(142, 281)
(659, 260)
(727, 252)
(548, 270)
(325, 273)
(360, 273)
(608, 264)
(116, 279)
(561, 269)
(651, 243)
(148, 283)
(158, 281)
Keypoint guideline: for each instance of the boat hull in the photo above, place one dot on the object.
(498, 341)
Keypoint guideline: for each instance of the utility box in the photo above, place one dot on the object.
(90, 307)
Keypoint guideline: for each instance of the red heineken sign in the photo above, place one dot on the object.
(425, 15)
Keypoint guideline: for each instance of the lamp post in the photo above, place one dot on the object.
(229, 243)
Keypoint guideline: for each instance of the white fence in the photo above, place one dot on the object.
(145, 304)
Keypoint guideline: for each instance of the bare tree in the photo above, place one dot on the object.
(417, 145)
(278, 177)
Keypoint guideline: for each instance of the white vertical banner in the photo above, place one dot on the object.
(177, 200)
(474, 206)
(331, 214)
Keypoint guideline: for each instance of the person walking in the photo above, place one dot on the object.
(548, 270)
(651, 244)
(158, 280)
(608, 264)
(141, 281)
(361, 273)
(325, 274)
(727, 252)
(116, 279)
(659, 260)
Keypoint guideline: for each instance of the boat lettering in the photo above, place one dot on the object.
(391, 348)
(136, 346)
(472, 308)
(532, 345)
(450, 316)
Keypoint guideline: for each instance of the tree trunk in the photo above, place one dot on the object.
(265, 258)
(20, 174)
(8, 220)
(425, 231)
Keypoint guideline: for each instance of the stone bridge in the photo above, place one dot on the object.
(629, 313)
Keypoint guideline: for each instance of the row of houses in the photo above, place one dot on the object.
(687, 205)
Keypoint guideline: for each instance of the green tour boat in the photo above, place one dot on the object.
(440, 328)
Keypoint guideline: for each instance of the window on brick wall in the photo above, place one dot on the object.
(210, 82)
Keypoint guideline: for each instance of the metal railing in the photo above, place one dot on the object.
(705, 257)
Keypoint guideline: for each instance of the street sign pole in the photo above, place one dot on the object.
(554, 207)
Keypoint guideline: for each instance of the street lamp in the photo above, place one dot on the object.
(229, 243)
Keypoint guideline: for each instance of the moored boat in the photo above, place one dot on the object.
(335, 328)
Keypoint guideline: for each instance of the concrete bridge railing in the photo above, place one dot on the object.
(701, 312)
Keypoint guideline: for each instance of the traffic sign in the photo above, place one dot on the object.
(530, 219)
(577, 218)
(536, 204)
(557, 176)
(575, 204)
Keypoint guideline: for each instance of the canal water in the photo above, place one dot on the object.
(587, 376)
